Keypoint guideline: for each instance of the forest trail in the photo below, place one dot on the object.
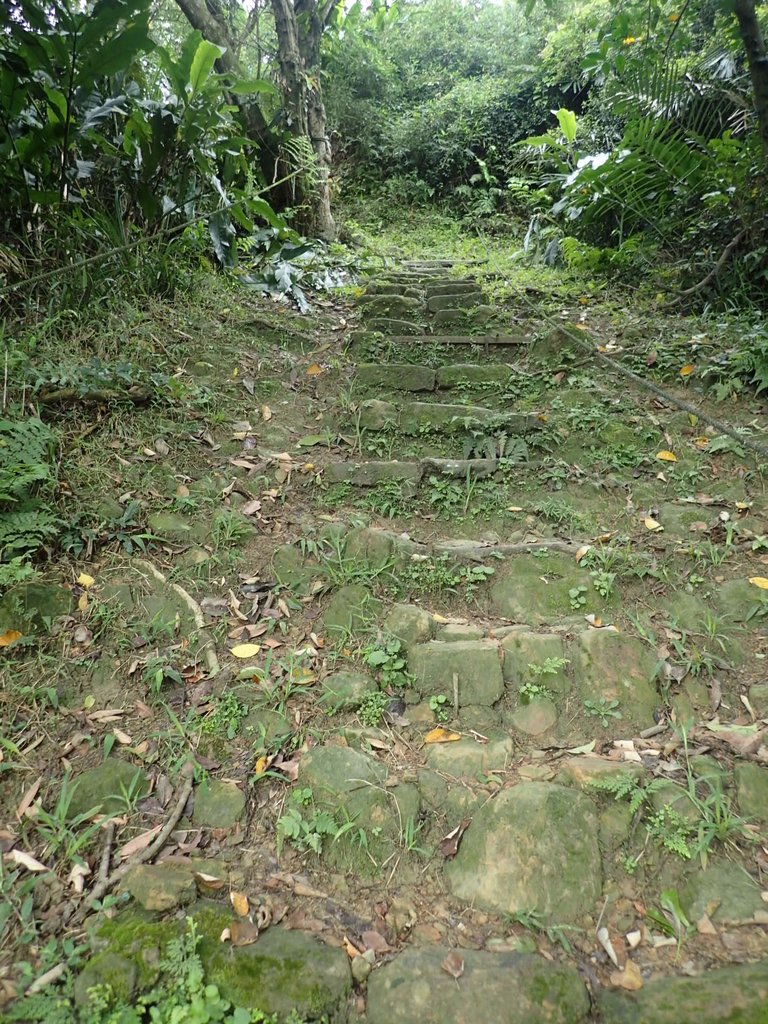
(464, 636)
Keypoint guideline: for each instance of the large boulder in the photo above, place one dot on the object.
(533, 847)
(493, 988)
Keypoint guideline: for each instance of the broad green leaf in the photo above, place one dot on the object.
(205, 57)
(567, 121)
(245, 86)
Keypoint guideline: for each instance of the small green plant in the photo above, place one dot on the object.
(603, 709)
(27, 477)
(561, 513)
(229, 529)
(63, 834)
(387, 499)
(548, 667)
(439, 706)
(307, 827)
(387, 657)
(371, 709)
(531, 691)
(578, 597)
(226, 716)
(603, 582)
(535, 921)
(431, 575)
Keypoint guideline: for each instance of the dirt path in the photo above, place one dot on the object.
(463, 640)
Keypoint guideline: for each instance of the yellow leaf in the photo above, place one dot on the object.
(515, 508)
(439, 618)
(239, 902)
(742, 505)
(665, 456)
(582, 551)
(701, 442)
(441, 735)
(245, 650)
(82, 603)
(759, 581)
(10, 637)
(85, 580)
(651, 524)
(261, 765)
(314, 369)
(266, 413)
(693, 419)
(687, 370)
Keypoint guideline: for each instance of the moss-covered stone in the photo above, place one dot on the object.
(736, 599)
(524, 652)
(351, 609)
(218, 804)
(724, 891)
(483, 375)
(171, 526)
(537, 590)
(416, 416)
(725, 995)
(116, 972)
(611, 666)
(533, 846)
(752, 791)
(291, 569)
(160, 887)
(368, 545)
(106, 787)
(369, 474)
(467, 759)
(458, 300)
(343, 690)
(512, 988)
(534, 718)
(374, 414)
(282, 972)
(453, 632)
(475, 662)
(396, 376)
(400, 306)
(33, 607)
(410, 624)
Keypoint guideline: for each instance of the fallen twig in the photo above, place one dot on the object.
(104, 886)
(211, 660)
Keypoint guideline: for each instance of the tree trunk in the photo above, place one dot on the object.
(757, 59)
(299, 25)
(254, 123)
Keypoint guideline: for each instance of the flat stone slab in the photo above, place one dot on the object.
(467, 759)
(475, 662)
(396, 376)
(535, 718)
(533, 846)
(369, 474)
(455, 631)
(452, 418)
(456, 300)
(535, 590)
(457, 286)
(390, 325)
(458, 374)
(478, 469)
(484, 340)
(725, 995)
(525, 652)
(612, 666)
(494, 988)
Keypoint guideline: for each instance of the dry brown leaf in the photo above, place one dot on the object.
(26, 801)
(350, 948)
(314, 370)
(243, 932)
(26, 860)
(239, 903)
(441, 735)
(10, 637)
(138, 843)
(122, 737)
(209, 883)
(449, 844)
(306, 890)
(453, 965)
(375, 940)
(630, 978)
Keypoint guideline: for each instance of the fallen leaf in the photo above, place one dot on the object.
(687, 370)
(306, 890)
(759, 581)
(704, 926)
(27, 799)
(375, 941)
(245, 650)
(582, 552)
(122, 737)
(25, 860)
(266, 413)
(10, 637)
(210, 883)
(630, 978)
(453, 965)
(314, 370)
(82, 603)
(351, 949)
(666, 456)
(586, 748)
(449, 844)
(604, 938)
(652, 524)
(239, 902)
(76, 877)
(138, 843)
(243, 932)
(441, 735)
(85, 580)
(701, 442)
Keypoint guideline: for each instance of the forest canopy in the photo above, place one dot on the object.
(608, 135)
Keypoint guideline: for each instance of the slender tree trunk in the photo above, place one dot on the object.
(299, 25)
(757, 59)
(255, 125)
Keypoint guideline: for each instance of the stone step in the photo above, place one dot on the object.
(414, 377)
(413, 417)
(392, 306)
(388, 325)
(407, 338)
(370, 474)
(455, 300)
(455, 286)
